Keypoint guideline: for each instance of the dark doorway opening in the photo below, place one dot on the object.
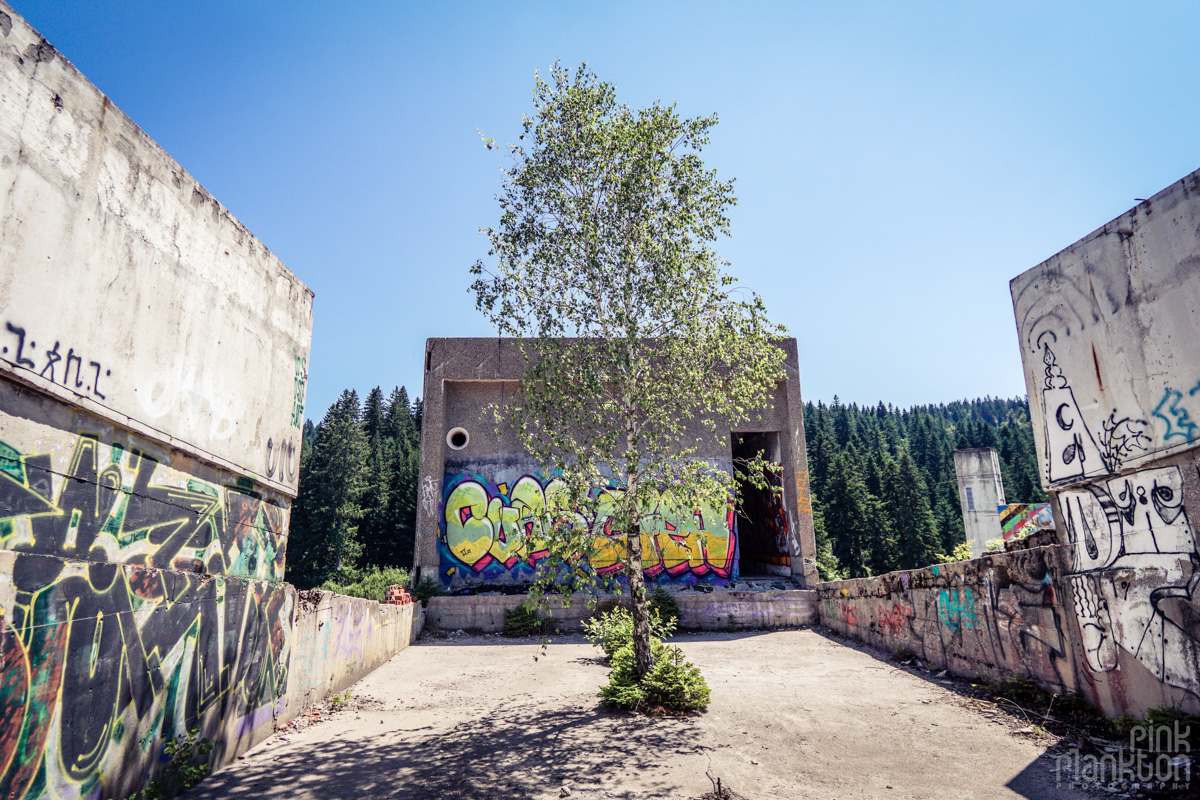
(762, 519)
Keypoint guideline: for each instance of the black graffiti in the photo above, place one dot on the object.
(52, 359)
(98, 654)
(177, 523)
(281, 459)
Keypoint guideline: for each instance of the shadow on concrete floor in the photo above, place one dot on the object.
(516, 753)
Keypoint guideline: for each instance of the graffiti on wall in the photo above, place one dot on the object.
(99, 501)
(1001, 617)
(65, 368)
(128, 617)
(298, 386)
(1073, 451)
(488, 531)
(1133, 576)
(1175, 411)
(104, 662)
(763, 525)
(1018, 520)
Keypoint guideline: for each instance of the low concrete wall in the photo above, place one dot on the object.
(726, 611)
(706, 611)
(997, 615)
(337, 640)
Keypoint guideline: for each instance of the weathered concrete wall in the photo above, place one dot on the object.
(101, 661)
(128, 290)
(339, 639)
(466, 493)
(76, 486)
(706, 611)
(981, 493)
(998, 615)
(153, 363)
(1110, 341)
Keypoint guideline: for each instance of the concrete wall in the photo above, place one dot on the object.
(706, 611)
(339, 639)
(998, 615)
(981, 493)
(466, 495)
(1110, 341)
(153, 362)
(128, 290)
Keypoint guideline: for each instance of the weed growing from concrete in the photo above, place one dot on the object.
(187, 765)
(526, 621)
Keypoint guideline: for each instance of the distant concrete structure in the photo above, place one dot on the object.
(981, 492)
(1109, 331)
(472, 478)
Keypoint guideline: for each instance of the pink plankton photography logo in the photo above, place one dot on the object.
(1158, 757)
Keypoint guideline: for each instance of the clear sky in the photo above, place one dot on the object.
(896, 163)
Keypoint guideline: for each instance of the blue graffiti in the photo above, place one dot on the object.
(1182, 424)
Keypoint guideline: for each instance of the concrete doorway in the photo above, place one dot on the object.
(762, 520)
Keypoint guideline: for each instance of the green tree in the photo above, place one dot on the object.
(377, 528)
(846, 506)
(403, 431)
(912, 520)
(332, 483)
(638, 345)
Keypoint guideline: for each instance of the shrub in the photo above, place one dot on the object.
(673, 682)
(664, 603)
(613, 630)
(187, 765)
(961, 552)
(427, 588)
(525, 621)
(371, 583)
(995, 545)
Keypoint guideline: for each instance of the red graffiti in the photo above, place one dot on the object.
(895, 620)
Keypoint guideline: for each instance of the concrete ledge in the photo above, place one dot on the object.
(704, 611)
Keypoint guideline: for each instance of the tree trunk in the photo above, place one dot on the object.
(643, 658)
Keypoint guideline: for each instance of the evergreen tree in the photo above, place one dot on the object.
(846, 507)
(376, 530)
(333, 480)
(913, 523)
(403, 425)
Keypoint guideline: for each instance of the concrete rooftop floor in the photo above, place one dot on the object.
(794, 714)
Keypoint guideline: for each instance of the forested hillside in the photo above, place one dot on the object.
(884, 491)
(882, 479)
(357, 505)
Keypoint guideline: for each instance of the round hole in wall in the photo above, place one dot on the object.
(457, 438)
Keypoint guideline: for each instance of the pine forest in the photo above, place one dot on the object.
(882, 479)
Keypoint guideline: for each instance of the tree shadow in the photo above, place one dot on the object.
(516, 752)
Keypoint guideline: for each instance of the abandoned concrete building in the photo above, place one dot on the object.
(153, 376)
(469, 474)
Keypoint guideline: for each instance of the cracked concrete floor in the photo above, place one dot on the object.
(794, 714)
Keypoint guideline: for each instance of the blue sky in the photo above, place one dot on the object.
(896, 163)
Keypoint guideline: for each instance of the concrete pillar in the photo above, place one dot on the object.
(981, 492)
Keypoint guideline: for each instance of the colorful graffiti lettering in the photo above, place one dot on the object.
(112, 502)
(131, 615)
(1018, 520)
(491, 529)
(104, 662)
(956, 608)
